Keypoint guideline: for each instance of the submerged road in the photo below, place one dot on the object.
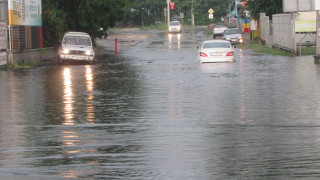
(154, 112)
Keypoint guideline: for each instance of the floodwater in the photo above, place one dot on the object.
(154, 112)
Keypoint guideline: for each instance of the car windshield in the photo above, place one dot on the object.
(77, 40)
(216, 45)
(174, 24)
(232, 31)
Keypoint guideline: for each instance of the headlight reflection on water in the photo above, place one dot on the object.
(72, 138)
(172, 37)
(90, 111)
(67, 97)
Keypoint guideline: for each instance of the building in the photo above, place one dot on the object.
(24, 18)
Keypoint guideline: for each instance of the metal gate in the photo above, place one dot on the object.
(3, 43)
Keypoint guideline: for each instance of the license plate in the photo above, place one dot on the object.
(77, 57)
(216, 54)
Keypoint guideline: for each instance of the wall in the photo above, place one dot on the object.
(32, 55)
(3, 10)
(266, 30)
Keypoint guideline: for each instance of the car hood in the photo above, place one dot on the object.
(233, 36)
(76, 48)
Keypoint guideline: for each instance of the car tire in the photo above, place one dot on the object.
(59, 62)
(214, 36)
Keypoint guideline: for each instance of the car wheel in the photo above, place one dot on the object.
(214, 36)
(59, 62)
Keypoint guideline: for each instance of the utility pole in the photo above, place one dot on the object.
(229, 10)
(168, 10)
(317, 56)
(318, 34)
(192, 14)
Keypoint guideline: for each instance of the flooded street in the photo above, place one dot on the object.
(154, 112)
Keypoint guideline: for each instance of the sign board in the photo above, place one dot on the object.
(181, 15)
(172, 6)
(253, 25)
(306, 22)
(25, 12)
(210, 11)
(317, 6)
(299, 5)
(210, 16)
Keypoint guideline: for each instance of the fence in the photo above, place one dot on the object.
(283, 32)
(280, 32)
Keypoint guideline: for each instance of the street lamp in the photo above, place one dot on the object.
(168, 11)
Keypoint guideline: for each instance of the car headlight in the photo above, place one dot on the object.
(228, 38)
(88, 53)
(65, 51)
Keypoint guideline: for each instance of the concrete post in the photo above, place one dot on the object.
(317, 56)
(168, 11)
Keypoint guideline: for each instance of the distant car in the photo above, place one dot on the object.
(234, 36)
(175, 27)
(218, 29)
(212, 51)
(76, 47)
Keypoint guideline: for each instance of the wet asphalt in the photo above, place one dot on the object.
(154, 112)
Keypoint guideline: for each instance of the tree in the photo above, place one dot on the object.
(269, 7)
(201, 8)
(144, 12)
(79, 15)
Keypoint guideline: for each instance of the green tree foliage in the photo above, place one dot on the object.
(269, 7)
(144, 12)
(79, 15)
(150, 12)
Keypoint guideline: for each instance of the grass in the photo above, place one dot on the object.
(256, 47)
(207, 31)
(306, 51)
(152, 27)
(24, 65)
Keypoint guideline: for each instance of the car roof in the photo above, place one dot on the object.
(77, 34)
(208, 41)
(229, 29)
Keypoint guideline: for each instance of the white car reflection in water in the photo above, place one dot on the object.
(216, 51)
